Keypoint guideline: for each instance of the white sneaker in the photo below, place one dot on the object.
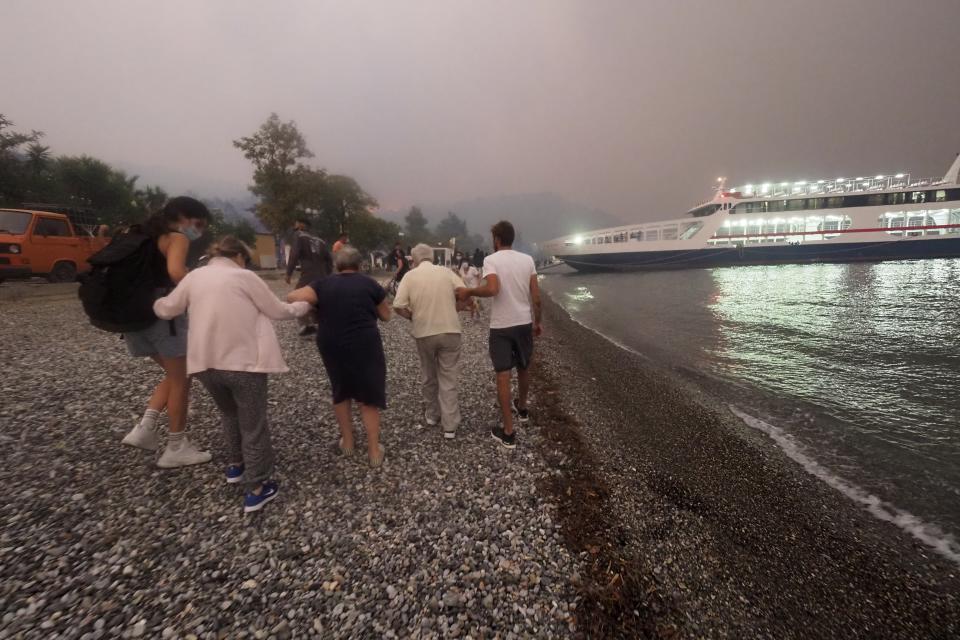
(143, 438)
(183, 456)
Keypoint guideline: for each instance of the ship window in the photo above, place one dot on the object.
(815, 203)
(798, 204)
(940, 196)
(705, 210)
(896, 198)
(918, 196)
(651, 234)
(636, 234)
(855, 201)
(607, 240)
(691, 230)
(669, 233)
(835, 202)
(876, 199)
(954, 218)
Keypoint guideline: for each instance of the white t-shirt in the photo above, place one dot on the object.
(511, 307)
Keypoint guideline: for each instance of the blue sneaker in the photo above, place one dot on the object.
(234, 473)
(253, 502)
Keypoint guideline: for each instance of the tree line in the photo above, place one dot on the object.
(289, 188)
(286, 186)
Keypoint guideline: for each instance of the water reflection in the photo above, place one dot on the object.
(859, 361)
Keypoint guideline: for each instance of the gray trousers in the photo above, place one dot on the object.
(439, 356)
(241, 397)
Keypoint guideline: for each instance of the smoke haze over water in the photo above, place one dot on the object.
(630, 107)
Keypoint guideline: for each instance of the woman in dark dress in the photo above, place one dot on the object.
(348, 307)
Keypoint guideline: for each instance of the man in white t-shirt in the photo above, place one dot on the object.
(510, 278)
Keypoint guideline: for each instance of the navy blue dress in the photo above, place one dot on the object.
(348, 337)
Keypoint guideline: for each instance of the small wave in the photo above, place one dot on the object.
(943, 543)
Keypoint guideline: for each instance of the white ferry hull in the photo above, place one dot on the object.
(731, 256)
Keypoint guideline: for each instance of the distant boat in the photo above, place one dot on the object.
(885, 217)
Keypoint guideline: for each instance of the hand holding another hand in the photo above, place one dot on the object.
(463, 294)
(301, 308)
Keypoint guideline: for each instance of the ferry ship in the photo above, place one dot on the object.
(884, 217)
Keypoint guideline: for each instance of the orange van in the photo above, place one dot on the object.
(40, 243)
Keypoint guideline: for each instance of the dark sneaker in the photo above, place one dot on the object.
(308, 330)
(509, 440)
(253, 502)
(523, 415)
(234, 473)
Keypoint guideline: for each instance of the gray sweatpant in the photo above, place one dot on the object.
(439, 356)
(241, 397)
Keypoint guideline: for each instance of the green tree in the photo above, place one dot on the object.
(416, 227)
(279, 176)
(222, 225)
(15, 178)
(87, 182)
(451, 228)
(341, 199)
(371, 233)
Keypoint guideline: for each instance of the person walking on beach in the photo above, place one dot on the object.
(342, 241)
(471, 278)
(510, 278)
(315, 261)
(427, 296)
(348, 306)
(181, 221)
(231, 349)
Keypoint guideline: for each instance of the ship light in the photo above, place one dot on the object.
(841, 179)
(577, 239)
(748, 189)
(879, 178)
(820, 181)
(801, 183)
(765, 187)
(899, 175)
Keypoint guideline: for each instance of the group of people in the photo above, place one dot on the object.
(230, 346)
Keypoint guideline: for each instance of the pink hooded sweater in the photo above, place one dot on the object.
(231, 310)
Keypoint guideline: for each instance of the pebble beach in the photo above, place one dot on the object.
(632, 507)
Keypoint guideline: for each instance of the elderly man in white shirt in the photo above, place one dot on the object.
(427, 297)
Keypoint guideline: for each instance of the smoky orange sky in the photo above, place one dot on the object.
(632, 107)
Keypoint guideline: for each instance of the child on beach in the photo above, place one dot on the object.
(231, 348)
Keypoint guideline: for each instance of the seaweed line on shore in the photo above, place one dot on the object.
(616, 599)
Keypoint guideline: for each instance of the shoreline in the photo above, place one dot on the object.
(710, 529)
(631, 507)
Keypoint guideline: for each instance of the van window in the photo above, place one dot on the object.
(51, 227)
(14, 222)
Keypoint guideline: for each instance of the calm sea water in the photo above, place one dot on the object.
(858, 365)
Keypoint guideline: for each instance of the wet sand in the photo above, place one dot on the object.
(694, 525)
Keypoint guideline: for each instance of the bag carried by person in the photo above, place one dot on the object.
(119, 292)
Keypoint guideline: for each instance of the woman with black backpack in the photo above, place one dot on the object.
(181, 221)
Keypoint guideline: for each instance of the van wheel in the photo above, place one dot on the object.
(63, 272)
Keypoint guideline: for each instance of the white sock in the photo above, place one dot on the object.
(149, 419)
(175, 439)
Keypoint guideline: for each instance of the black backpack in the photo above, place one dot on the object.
(119, 292)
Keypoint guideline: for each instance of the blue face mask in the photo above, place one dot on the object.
(193, 234)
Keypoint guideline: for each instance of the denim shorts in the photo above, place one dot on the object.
(156, 340)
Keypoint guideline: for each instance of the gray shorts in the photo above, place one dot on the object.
(511, 348)
(156, 340)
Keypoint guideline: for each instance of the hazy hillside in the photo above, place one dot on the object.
(537, 216)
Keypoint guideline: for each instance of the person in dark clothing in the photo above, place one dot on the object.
(478, 258)
(348, 307)
(401, 262)
(316, 263)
